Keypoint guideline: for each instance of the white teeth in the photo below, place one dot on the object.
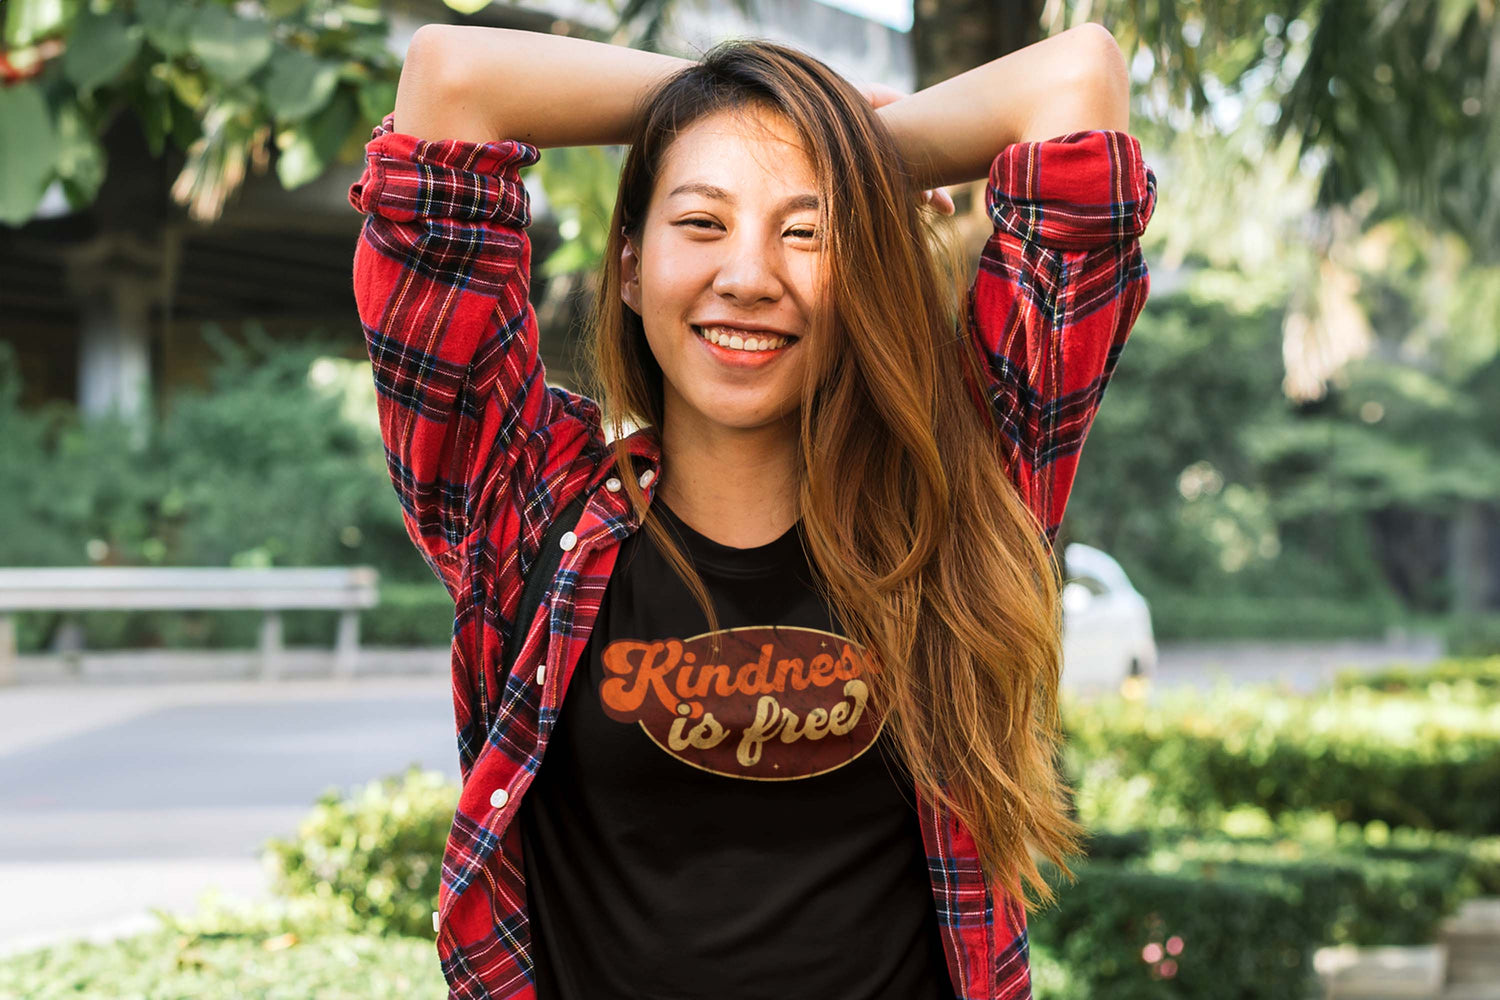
(739, 342)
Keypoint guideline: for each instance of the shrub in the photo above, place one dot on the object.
(1474, 635)
(271, 466)
(1239, 940)
(229, 966)
(375, 858)
(1461, 679)
(1360, 756)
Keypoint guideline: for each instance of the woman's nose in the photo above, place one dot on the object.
(749, 273)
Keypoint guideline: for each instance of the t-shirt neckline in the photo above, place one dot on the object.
(726, 560)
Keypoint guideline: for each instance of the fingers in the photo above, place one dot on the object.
(939, 199)
(879, 95)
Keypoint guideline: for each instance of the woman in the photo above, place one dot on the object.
(808, 740)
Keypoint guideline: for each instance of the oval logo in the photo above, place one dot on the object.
(778, 702)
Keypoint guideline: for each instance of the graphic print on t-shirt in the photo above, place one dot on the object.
(777, 703)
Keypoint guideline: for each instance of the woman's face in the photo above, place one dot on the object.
(730, 248)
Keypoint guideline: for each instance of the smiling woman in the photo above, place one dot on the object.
(839, 470)
(724, 273)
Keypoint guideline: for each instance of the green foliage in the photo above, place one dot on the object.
(1429, 762)
(1306, 831)
(168, 964)
(1376, 897)
(1169, 482)
(278, 463)
(1474, 635)
(1240, 514)
(1368, 97)
(1211, 616)
(222, 83)
(580, 182)
(1240, 940)
(409, 614)
(375, 858)
(1475, 680)
(1340, 883)
(1246, 912)
(25, 167)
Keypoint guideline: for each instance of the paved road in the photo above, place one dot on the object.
(116, 798)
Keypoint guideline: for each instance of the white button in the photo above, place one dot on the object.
(541, 674)
(612, 484)
(646, 478)
(434, 921)
(567, 541)
(499, 797)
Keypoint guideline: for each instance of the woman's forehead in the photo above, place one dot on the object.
(736, 145)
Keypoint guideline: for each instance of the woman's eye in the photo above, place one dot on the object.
(696, 222)
(802, 232)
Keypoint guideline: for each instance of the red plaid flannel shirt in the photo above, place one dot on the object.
(483, 452)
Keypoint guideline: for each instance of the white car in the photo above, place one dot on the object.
(1107, 635)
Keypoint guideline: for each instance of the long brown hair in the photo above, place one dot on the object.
(920, 542)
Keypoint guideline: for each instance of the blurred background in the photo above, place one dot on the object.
(1282, 657)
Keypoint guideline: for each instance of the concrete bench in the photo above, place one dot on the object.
(130, 588)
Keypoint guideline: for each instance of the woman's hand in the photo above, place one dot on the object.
(879, 95)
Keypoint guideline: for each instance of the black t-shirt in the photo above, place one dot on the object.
(731, 827)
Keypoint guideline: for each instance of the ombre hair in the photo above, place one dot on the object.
(919, 540)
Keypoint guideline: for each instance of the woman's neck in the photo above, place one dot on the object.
(736, 487)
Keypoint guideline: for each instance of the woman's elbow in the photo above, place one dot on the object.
(1104, 75)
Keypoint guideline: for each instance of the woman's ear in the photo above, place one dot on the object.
(630, 275)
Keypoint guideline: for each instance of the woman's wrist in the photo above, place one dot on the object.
(546, 90)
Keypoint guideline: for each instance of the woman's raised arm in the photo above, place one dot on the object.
(1074, 81)
(482, 84)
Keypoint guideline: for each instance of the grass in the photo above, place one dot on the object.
(168, 964)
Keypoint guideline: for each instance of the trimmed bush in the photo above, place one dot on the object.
(168, 964)
(1376, 896)
(375, 858)
(1473, 679)
(1359, 755)
(1238, 940)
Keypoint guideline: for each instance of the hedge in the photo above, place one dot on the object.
(1358, 755)
(168, 964)
(1475, 679)
(1239, 940)
(1246, 913)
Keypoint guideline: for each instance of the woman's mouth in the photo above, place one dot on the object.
(742, 340)
(742, 348)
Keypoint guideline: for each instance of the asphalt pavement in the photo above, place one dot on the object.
(117, 798)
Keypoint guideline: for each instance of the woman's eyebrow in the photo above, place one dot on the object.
(796, 202)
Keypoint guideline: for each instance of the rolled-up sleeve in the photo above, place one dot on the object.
(1059, 286)
(441, 282)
